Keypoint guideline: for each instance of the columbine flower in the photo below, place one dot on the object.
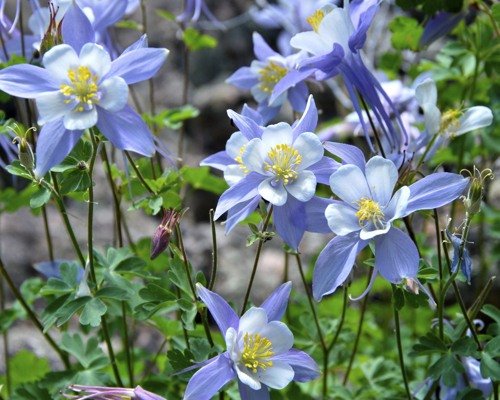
(366, 211)
(193, 9)
(338, 35)
(281, 164)
(439, 25)
(259, 350)
(265, 73)
(80, 87)
(163, 232)
(110, 393)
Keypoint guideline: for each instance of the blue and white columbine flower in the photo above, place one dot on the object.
(366, 211)
(265, 73)
(278, 163)
(79, 88)
(259, 351)
(101, 392)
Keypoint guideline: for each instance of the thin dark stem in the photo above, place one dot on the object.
(372, 124)
(5, 336)
(107, 339)
(213, 275)
(64, 215)
(256, 261)
(48, 236)
(400, 353)
(32, 315)
(127, 346)
(342, 319)
(286, 279)
(440, 307)
(116, 199)
(185, 93)
(139, 174)
(148, 370)
(358, 334)
(90, 217)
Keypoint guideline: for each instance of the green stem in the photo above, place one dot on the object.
(107, 339)
(127, 345)
(139, 174)
(256, 261)
(32, 315)
(400, 351)
(372, 124)
(342, 319)
(440, 307)
(5, 336)
(213, 275)
(47, 233)
(116, 199)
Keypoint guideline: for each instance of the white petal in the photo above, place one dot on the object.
(77, 120)
(381, 175)
(96, 58)
(235, 143)
(253, 321)
(258, 94)
(278, 376)
(349, 184)
(311, 42)
(231, 339)
(60, 59)
(51, 106)
(280, 336)
(369, 231)
(273, 135)
(432, 118)
(114, 94)
(336, 27)
(304, 187)
(475, 118)
(310, 148)
(426, 93)
(233, 174)
(397, 206)
(273, 191)
(342, 219)
(246, 377)
(253, 156)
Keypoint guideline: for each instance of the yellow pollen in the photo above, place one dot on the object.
(256, 352)
(270, 75)
(284, 159)
(239, 159)
(83, 88)
(450, 119)
(315, 19)
(369, 210)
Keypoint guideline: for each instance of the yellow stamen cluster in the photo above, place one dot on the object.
(256, 352)
(239, 159)
(450, 119)
(369, 210)
(284, 159)
(270, 75)
(315, 19)
(83, 88)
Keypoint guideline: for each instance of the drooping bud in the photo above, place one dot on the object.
(53, 35)
(475, 193)
(163, 233)
(25, 153)
(104, 392)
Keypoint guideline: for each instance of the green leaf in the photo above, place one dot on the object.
(128, 24)
(88, 355)
(40, 197)
(27, 367)
(16, 168)
(172, 118)
(464, 346)
(406, 33)
(92, 312)
(112, 292)
(69, 309)
(201, 178)
(489, 367)
(447, 368)
(166, 15)
(196, 40)
(155, 204)
(31, 391)
(75, 181)
(429, 344)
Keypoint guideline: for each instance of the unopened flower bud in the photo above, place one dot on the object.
(161, 237)
(25, 153)
(475, 193)
(53, 35)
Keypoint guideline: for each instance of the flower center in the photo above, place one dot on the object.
(83, 88)
(256, 352)
(315, 19)
(283, 161)
(369, 210)
(239, 159)
(450, 119)
(270, 75)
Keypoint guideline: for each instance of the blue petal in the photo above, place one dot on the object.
(291, 79)
(466, 264)
(240, 212)
(222, 313)
(435, 191)
(289, 220)
(138, 65)
(27, 81)
(335, 263)
(76, 28)
(297, 96)
(219, 160)
(126, 130)
(348, 153)
(206, 382)
(54, 143)
(244, 190)
(141, 43)
(107, 13)
(303, 365)
(243, 78)
(275, 305)
(396, 256)
(254, 115)
(323, 169)
(358, 38)
(246, 125)
(438, 26)
(261, 48)
(315, 215)
(247, 393)
(309, 119)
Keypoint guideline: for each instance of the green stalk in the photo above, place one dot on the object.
(400, 351)
(213, 274)
(47, 233)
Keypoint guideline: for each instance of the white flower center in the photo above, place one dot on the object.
(256, 352)
(284, 160)
(270, 75)
(82, 88)
(450, 121)
(369, 211)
